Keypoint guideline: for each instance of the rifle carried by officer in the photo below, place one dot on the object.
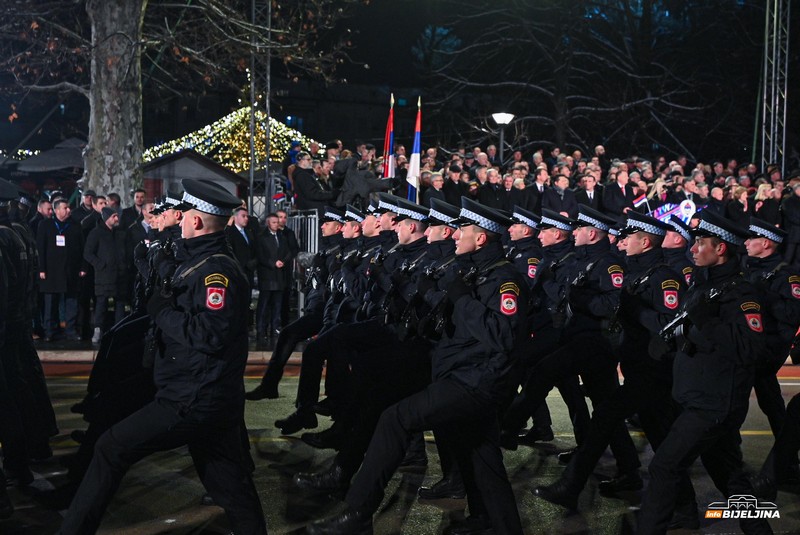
(672, 329)
(562, 313)
(393, 300)
(409, 323)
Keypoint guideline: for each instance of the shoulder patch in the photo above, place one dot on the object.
(215, 298)
(670, 283)
(750, 305)
(533, 260)
(509, 287)
(796, 290)
(794, 278)
(687, 270)
(217, 278)
(615, 268)
(754, 322)
(508, 303)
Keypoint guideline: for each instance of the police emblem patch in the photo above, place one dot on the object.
(532, 272)
(215, 298)
(616, 280)
(754, 322)
(671, 299)
(796, 291)
(508, 304)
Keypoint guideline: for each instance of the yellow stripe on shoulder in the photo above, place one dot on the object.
(750, 305)
(670, 283)
(217, 278)
(509, 287)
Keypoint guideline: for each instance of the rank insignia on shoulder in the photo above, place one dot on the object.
(216, 278)
(508, 304)
(670, 283)
(796, 290)
(215, 298)
(509, 287)
(750, 305)
(794, 278)
(754, 322)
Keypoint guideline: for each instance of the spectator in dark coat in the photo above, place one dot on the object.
(243, 242)
(85, 207)
(537, 189)
(738, 210)
(716, 201)
(588, 193)
(560, 198)
(453, 189)
(105, 251)
(489, 194)
(60, 244)
(273, 256)
(288, 236)
(764, 206)
(790, 216)
(435, 191)
(310, 193)
(618, 198)
(132, 213)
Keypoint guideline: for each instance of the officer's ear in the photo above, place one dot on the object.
(721, 249)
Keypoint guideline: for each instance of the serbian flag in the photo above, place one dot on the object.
(388, 143)
(640, 200)
(413, 163)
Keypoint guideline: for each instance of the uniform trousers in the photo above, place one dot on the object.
(696, 433)
(784, 453)
(589, 356)
(768, 393)
(301, 329)
(217, 451)
(468, 423)
(646, 392)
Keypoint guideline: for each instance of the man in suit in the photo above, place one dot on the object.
(294, 248)
(618, 198)
(435, 191)
(490, 194)
(310, 193)
(536, 194)
(243, 242)
(273, 256)
(132, 213)
(560, 198)
(588, 193)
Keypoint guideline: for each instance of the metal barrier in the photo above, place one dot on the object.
(305, 224)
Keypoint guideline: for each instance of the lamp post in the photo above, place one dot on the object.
(502, 119)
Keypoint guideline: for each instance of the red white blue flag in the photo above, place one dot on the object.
(414, 162)
(388, 143)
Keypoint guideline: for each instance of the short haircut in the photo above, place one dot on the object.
(115, 196)
(58, 202)
(271, 214)
(42, 202)
(97, 197)
(139, 190)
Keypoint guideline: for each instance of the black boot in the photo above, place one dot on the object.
(296, 421)
(349, 522)
(262, 391)
(331, 438)
(536, 434)
(558, 493)
(333, 479)
(621, 483)
(446, 488)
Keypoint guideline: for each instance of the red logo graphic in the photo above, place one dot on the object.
(671, 299)
(508, 304)
(796, 291)
(532, 272)
(215, 298)
(616, 280)
(754, 322)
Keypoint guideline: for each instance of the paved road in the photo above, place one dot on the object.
(161, 494)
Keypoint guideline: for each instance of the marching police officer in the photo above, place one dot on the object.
(650, 297)
(198, 374)
(587, 303)
(718, 346)
(778, 284)
(472, 376)
(676, 247)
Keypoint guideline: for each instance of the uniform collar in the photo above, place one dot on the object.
(201, 246)
(644, 261)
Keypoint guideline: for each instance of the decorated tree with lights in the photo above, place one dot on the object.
(100, 49)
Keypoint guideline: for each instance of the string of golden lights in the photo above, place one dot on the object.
(227, 141)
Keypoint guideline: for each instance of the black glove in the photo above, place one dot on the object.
(140, 251)
(376, 269)
(352, 262)
(456, 289)
(703, 311)
(158, 302)
(425, 284)
(319, 261)
(398, 277)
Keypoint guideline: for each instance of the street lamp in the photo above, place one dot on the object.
(502, 119)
